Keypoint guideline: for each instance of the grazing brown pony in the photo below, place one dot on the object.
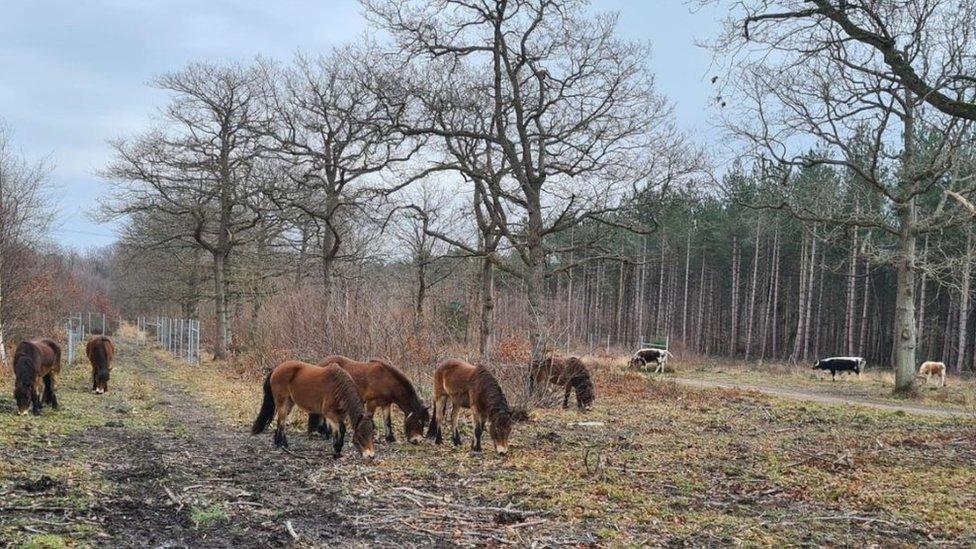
(37, 363)
(100, 351)
(474, 387)
(569, 373)
(327, 391)
(381, 385)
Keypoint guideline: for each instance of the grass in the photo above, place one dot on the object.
(675, 465)
(876, 385)
(207, 514)
(40, 467)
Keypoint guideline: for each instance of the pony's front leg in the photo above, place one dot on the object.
(437, 421)
(35, 399)
(389, 424)
(317, 425)
(340, 438)
(479, 429)
(569, 388)
(455, 412)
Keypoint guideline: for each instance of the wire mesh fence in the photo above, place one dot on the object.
(179, 336)
(81, 325)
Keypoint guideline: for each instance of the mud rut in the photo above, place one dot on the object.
(196, 462)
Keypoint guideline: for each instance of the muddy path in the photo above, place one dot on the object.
(187, 479)
(821, 398)
(198, 482)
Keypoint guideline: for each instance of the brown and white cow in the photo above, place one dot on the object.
(932, 368)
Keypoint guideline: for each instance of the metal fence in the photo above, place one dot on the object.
(76, 334)
(179, 336)
(81, 325)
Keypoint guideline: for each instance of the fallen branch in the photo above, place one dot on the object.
(172, 497)
(34, 508)
(291, 530)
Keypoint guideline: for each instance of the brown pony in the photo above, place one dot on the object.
(327, 391)
(469, 386)
(381, 385)
(100, 351)
(36, 362)
(568, 372)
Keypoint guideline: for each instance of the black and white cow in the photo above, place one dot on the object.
(840, 364)
(644, 357)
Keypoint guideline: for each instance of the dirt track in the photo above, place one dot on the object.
(196, 483)
(821, 398)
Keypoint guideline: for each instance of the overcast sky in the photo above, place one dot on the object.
(74, 74)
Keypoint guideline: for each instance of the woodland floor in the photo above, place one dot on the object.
(165, 460)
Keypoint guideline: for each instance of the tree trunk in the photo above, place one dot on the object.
(809, 300)
(658, 317)
(920, 329)
(700, 327)
(903, 355)
(774, 343)
(684, 304)
(487, 308)
(851, 297)
(861, 340)
(820, 289)
(752, 291)
(797, 354)
(964, 302)
(734, 332)
(618, 324)
(220, 307)
(421, 289)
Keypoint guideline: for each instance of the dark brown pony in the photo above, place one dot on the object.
(327, 391)
(569, 373)
(100, 351)
(381, 385)
(37, 363)
(474, 387)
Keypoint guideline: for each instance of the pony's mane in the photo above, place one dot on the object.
(492, 391)
(402, 379)
(344, 390)
(23, 357)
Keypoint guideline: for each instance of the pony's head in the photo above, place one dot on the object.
(101, 379)
(413, 425)
(25, 373)
(500, 429)
(585, 394)
(22, 394)
(362, 436)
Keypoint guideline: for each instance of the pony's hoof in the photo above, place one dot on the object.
(391, 440)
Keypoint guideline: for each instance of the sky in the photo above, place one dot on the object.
(75, 74)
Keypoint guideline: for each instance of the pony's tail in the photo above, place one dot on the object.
(100, 358)
(267, 408)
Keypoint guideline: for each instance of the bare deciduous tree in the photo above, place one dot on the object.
(200, 167)
(24, 209)
(570, 107)
(806, 95)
